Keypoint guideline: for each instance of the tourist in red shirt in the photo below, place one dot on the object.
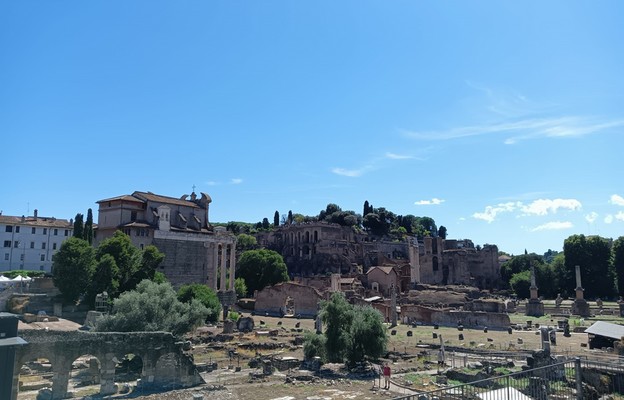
(386, 374)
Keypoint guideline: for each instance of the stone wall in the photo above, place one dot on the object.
(452, 318)
(165, 365)
(272, 300)
(186, 262)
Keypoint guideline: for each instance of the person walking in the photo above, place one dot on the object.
(386, 374)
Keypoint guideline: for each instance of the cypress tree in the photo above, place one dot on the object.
(88, 227)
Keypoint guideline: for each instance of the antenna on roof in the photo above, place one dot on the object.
(193, 188)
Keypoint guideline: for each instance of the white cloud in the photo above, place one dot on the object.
(236, 181)
(212, 183)
(525, 129)
(591, 217)
(617, 200)
(620, 216)
(490, 212)
(544, 206)
(608, 219)
(394, 156)
(552, 226)
(352, 173)
(435, 201)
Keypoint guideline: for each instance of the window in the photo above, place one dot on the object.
(7, 243)
(33, 230)
(55, 232)
(16, 244)
(32, 245)
(6, 256)
(21, 257)
(17, 229)
(141, 246)
(41, 268)
(133, 216)
(9, 228)
(45, 231)
(53, 246)
(43, 257)
(43, 245)
(66, 232)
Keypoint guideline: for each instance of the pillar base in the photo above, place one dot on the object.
(581, 307)
(535, 308)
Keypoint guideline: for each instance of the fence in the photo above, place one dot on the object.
(577, 379)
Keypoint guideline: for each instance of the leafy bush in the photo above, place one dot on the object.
(205, 295)
(314, 346)
(153, 307)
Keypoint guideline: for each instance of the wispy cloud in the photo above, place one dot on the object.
(491, 212)
(351, 173)
(553, 226)
(591, 217)
(435, 201)
(212, 183)
(236, 181)
(372, 165)
(620, 216)
(545, 206)
(525, 129)
(617, 200)
(394, 156)
(608, 219)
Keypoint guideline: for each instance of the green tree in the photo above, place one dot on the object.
(245, 242)
(265, 224)
(290, 217)
(88, 227)
(79, 226)
(260, 268)
(593, 255)
(367, 208)
(205, 295)
(104, 279)
(442, 232)
(276, 219)
(127, 257)
(367, 335)
(240, 287)
(519, 264)
(73, 267)
(617, 260)
(153, 307)
(314, 346)
(352, 333)
(520, 283)
(337, 315)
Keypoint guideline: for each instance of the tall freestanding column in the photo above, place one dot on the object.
(535, 307)
(580, 306)
(232, 265)
(222, 286)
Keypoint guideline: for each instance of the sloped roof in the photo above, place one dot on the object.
(124, 197)
(32, 221)
(164, 199)
(606, 329)
(385, 270)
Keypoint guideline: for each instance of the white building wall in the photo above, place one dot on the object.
(22, 249)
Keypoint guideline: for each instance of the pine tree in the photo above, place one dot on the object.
(88, 227)
(276, 218)
(79, 226)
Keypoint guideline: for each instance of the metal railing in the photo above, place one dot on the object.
(576, 379)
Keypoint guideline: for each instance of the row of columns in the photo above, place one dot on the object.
(222, 254)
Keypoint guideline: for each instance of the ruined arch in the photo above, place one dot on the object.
(85, 371)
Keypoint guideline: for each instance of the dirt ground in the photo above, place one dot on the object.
(412, 358)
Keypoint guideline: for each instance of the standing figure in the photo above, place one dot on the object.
(386, 374)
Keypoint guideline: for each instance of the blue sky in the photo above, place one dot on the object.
(502, 120)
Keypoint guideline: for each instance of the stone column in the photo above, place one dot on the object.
(107, 375)
(579, 288)
(60, 379)
(215, 265)
(232, 265)
(222, 286)
(533, 287)
(393, 305)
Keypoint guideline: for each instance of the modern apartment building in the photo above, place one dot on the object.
(29, 242)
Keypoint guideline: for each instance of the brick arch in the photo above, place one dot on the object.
(62, 348)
